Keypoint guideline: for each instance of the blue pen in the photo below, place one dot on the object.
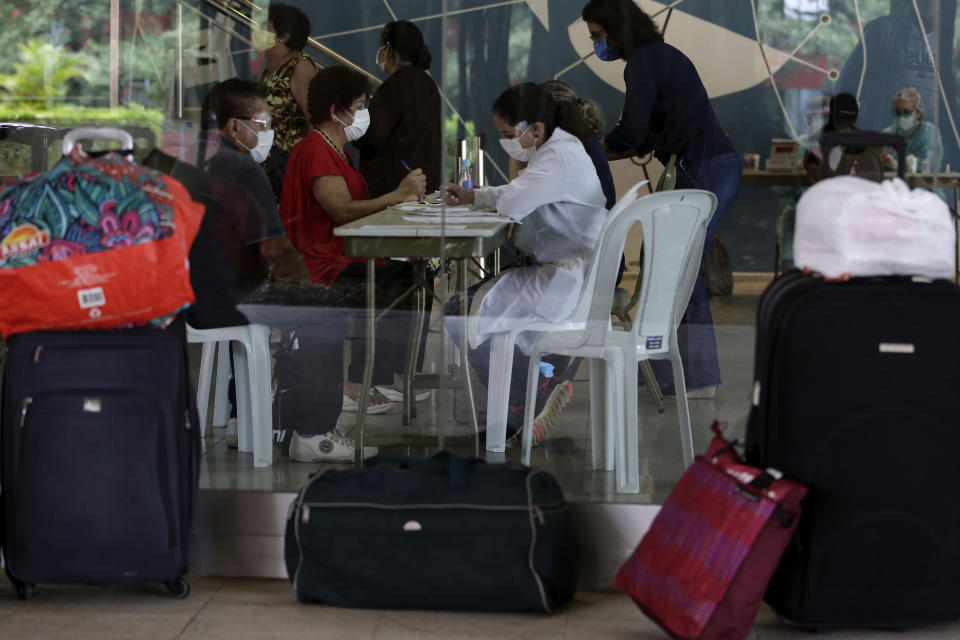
(406, 166)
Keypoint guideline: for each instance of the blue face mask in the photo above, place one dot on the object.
(604, 51)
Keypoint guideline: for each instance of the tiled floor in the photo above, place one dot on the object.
(567, 454)
(242, 609)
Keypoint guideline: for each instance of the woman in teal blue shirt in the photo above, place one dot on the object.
(923, 138)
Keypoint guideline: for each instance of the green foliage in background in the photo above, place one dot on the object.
(42, 73)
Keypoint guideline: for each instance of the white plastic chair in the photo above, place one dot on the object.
(674, 228)
(251, 360)
(501, 344)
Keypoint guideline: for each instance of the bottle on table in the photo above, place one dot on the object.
(466, 175)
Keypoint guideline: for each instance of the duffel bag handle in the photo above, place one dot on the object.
(455, 466)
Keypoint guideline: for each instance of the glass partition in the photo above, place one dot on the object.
(167, 71)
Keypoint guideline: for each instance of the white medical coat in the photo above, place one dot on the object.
(559, 204)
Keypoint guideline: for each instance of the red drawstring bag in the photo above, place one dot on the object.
(94, 244)
(701, 570)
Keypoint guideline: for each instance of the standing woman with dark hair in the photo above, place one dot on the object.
(405, 120)
(559, 200)
(667, 111)
(286, 79)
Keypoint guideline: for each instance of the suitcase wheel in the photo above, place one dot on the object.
(25, 590)
(178, 588)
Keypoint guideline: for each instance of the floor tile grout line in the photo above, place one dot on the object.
(199, 611)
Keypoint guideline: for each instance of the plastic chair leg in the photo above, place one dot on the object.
(221, 400)
(601, 432)
(530, 405)
(622, 399)
(244, 395)
(203, 384)
(261, 415)
(498, 390)
(683, 406)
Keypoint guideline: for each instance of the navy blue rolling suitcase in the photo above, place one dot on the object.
(100, 458)
(855, 397)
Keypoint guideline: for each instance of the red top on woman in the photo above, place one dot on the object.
(308, 226)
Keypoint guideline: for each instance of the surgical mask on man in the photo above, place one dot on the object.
(604, 51)
(355, 131)
(907, 121)
(516, 150)
(263, 39)
(264, 143)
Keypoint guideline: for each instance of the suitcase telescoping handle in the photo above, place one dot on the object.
(99, 133)
(455, 466)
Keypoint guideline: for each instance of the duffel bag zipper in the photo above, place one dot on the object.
(305, 509)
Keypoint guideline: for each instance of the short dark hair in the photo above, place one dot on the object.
(337, 86)
(531, 103)
(406, 40)
(627, 26)
(229, 99)
(843, 112)
(290, 21)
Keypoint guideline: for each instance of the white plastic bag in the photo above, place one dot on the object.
(851, 225)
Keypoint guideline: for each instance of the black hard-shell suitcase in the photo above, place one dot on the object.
(440, 533)
(100, 458)
(855, 396)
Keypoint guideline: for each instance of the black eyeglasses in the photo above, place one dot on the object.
(904, 113)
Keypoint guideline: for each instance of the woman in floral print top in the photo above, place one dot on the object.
(288, 73)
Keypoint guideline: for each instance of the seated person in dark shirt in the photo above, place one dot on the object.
(244, 269)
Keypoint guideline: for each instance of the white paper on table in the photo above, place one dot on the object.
(428, 209)
(459, 219)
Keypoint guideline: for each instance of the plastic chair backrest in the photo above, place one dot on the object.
(582, 310)
(607, 260)
(674, 231)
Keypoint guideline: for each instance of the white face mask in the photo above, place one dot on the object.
(516, 150)
(263, 39)
(816, 124)
(264, 142)
(907, 122)
(361, 120)
(382, 65)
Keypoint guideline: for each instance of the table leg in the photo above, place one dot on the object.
(413, 345)
(367, 360)
(464, 350)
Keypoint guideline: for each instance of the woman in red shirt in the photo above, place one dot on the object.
(323, 189)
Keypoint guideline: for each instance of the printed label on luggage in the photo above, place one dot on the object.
(91, 297)
(654, 342)
(897, 347)
(26, 238)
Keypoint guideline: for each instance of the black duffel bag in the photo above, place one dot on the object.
(445, 533)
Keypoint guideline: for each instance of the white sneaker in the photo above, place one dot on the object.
(232, 439)
(378, 404)
(394, 394)
(543, 423)
(327, 447)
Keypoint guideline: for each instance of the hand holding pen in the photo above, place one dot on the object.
(414, 184)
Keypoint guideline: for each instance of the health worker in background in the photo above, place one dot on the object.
(667, 111)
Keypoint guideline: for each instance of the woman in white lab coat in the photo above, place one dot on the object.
(559, 205)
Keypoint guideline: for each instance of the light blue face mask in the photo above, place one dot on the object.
(604, 51)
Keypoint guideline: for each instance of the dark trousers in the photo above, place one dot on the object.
(392, 331)
(696, 339)
(309, 364)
